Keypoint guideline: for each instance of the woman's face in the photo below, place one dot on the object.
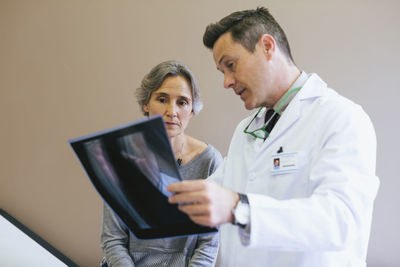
(173, 100)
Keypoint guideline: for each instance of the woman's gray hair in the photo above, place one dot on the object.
(154, 79)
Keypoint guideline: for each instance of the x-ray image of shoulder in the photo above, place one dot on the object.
(134, 148)
(102, 167)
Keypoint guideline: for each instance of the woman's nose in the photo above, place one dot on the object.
(171, 110)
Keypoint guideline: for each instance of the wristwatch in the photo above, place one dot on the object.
(241, 213)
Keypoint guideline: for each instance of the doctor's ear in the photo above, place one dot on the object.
(268, 45)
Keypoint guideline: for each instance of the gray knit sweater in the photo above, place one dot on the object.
(122, 248)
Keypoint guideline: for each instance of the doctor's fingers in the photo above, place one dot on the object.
(186, 186)
(201, 214)
(189, 198)
(204, 220)
(195, 209)
(206, 215)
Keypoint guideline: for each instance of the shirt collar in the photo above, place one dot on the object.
(300, 81)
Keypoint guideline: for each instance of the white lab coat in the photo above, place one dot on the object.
(318, 215)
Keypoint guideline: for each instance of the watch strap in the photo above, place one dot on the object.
(243, 198)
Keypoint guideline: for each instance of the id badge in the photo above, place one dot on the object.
(284, 162)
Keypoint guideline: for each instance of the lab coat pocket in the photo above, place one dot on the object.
(289, 175)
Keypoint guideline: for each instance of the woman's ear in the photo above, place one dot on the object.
(146, 108)
(268, 45)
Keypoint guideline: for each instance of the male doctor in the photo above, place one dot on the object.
(316, 208)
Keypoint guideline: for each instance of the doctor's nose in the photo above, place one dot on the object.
(229, 81)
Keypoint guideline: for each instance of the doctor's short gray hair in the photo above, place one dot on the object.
(153, 80)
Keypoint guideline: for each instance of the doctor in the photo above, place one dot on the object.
(316, 208)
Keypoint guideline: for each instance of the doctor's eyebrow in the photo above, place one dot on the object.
(220, 63)
(220, 60)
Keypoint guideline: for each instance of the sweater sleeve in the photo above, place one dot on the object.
(114, 240)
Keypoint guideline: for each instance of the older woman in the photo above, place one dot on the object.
(168, 89)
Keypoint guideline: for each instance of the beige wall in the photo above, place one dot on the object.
(68, 68)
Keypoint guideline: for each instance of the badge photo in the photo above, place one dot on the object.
(284, 162)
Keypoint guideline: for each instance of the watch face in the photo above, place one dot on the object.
(242, 213)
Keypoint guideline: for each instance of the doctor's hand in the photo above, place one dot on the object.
(205, 202)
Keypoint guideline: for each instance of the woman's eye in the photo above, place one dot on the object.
(161, 100)
(182, 103)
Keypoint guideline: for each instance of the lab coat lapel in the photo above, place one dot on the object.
(313, 88)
